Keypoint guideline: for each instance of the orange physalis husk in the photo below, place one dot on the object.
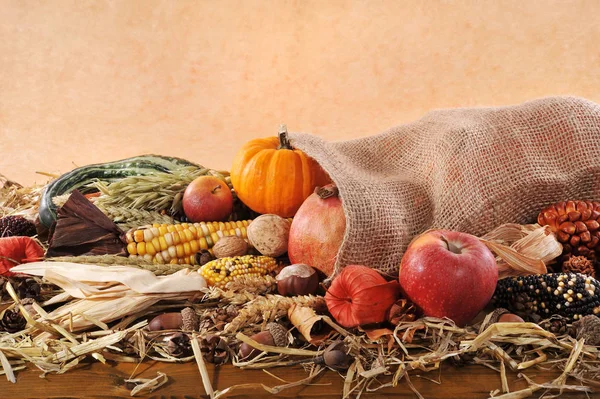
(359, 295)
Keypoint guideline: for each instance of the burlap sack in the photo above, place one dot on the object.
(466, 169)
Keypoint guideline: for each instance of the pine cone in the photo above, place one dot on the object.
(217, 318)
(557, 325)
(576, 225)
(12, 226)
(12, 321)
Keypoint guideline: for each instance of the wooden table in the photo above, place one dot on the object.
(96, 380)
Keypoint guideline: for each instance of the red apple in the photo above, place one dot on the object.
(448, 274)
(207, 199)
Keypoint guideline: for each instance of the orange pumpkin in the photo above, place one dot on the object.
(269, 176)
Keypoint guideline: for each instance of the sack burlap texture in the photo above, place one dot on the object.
(466, 169)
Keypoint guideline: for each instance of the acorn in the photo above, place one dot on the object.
(274, 335)
(297, 279)
(186, 320)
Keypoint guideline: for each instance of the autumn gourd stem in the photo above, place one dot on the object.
(284, 141)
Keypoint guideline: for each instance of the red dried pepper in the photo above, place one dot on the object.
(17, 250)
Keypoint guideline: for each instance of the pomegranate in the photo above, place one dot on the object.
(317, 230)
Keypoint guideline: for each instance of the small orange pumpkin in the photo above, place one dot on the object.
(269, 176)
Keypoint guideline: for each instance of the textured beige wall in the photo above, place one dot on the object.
(92, 81)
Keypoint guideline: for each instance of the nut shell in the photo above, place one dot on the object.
(230, 246)
(269, 234)
(247, 352)
(298, 279)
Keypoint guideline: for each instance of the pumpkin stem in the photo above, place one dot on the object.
(284, 141)
(326, 192)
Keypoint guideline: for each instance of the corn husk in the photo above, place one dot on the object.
(522, 250)
(81, 228)
(103, 294)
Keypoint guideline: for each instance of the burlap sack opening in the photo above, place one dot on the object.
(467, 169)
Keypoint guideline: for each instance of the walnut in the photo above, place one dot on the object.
(230, 246)
(269, 234)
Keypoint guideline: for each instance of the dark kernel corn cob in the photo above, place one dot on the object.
(219, 272)
(571, 295)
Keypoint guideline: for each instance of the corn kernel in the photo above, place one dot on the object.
(138, 235)
(141, 248)
(194, 246)
(162, 230)
(132, 248)
(150, 249)
(148, 235)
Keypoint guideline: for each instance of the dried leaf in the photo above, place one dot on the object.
(309, 324)
(377, 333)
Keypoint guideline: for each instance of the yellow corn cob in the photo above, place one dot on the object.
(219, 272)
(179, 243)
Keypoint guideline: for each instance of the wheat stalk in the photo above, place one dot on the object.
(157, 191)
(127, 218)
(270, 307)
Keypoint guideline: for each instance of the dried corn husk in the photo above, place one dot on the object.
(104, 294)
(81, 228)
(522, 250)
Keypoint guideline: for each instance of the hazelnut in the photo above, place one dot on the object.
(274, 335)
(269, 234)
(230, 246)
(297, 279)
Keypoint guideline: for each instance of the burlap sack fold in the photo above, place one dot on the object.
(467, 169)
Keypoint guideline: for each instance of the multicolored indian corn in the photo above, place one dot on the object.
(179, 243)
(219, 272)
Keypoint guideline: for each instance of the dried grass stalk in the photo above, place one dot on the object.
(202, 367)
(18, 200)
(145, 385)
(155, 192)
